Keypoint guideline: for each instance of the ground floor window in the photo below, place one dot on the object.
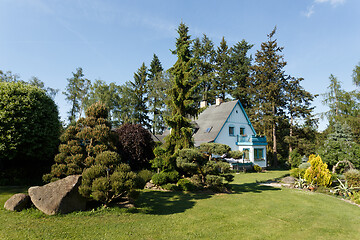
(258, 153)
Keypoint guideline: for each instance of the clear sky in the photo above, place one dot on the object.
(110, 39)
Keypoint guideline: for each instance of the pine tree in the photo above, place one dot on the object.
(140, 97)
(240, 73)
(204, 55)
(223, 79)
(82, 142)
(181, 101)
(269, 82)
(157, 86)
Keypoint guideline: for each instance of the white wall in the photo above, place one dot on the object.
(237, 120)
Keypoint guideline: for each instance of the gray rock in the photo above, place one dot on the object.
(149, 185)
(288, 180)
(61, 196)
(17, 202)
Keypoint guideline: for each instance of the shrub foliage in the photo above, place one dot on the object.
(29, 130)
(135, 145)
(318, 173)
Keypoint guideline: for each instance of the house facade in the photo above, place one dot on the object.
(228, 123)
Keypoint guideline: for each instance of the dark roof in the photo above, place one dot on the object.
(211, 120)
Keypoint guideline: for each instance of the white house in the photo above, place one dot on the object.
(228, 123)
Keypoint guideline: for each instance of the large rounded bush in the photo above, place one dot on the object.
(29, 131)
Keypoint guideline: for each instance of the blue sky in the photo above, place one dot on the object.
(110, 39)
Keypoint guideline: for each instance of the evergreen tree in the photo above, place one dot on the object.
(240, 73)
(181, 102)
(223, 77)
(157, 86)
(204, 55)
(340, 146)
(269, 82)
(76, 91)
(140, 89)
(82, 142)
(298, 107)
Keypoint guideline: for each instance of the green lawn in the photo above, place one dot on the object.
(252, 212)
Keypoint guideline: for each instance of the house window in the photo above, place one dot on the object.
(231, 131)
(246, 152)
(242, 131)
(258, 153)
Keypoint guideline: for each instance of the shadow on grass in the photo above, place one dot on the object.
(4, 190)
(165, 203)
(251, 187)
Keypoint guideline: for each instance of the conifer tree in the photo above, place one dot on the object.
(181, 94)
(204, 54)
(223, 79)
(298, 105)
(82, 142)
(157, 86)
(140, 89)
(269, 82)
(240, 73)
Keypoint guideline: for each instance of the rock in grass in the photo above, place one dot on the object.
(61, 196)
(17, 202)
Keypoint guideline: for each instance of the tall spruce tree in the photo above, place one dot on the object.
(204, 54)
(270, 81)
(140, 90)
(181, 102)
(240, 73)
(223, 77)
(157, 86)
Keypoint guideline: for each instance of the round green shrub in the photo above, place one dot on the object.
(186, 185)
(159, 178)
(146, 175)
(172, 176)
(214, 182)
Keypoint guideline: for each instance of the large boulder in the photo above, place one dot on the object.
(17, 202)
(61, 196)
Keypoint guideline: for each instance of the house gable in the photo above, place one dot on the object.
(236, 124)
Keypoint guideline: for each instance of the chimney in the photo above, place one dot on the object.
(219, 101)
(203, 104)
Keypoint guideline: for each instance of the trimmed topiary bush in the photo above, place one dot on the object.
(214, 182)
(186, 185)
(108, 180)
(159, 178)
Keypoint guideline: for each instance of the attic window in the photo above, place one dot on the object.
(231, 131)
(208, 130)
(236, 111)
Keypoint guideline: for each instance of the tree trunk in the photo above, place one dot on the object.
(274, 138)
(291, 134)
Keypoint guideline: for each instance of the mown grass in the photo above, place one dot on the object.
(251, 212)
